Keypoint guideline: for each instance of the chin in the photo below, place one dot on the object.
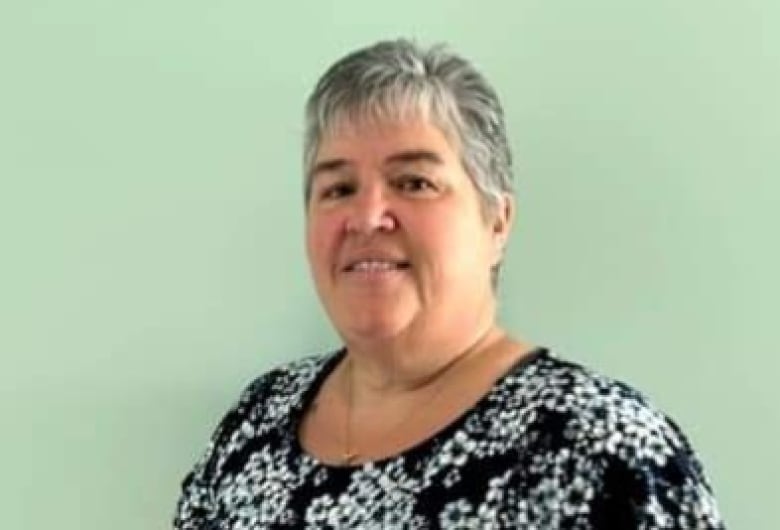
(380, 325)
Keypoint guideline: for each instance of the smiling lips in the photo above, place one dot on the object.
(376, 265)
(374, 261)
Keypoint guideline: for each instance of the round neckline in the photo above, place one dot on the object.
(329, 364)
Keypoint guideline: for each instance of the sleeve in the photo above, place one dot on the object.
(652, 479)
(197, 508)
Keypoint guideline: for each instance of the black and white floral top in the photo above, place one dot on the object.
(551, 446)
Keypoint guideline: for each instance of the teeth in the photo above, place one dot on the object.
(371, 265)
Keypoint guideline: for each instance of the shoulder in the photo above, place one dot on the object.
(630, 459)
(271, 396)
(286, 379)
(265, 404)
(598, 413)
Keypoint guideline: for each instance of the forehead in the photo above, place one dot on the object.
(374, 140)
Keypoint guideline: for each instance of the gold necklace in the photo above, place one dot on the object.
(349, 455)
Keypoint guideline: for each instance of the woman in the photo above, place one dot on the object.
(431, 415)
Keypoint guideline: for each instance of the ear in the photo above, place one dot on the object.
(501, 226)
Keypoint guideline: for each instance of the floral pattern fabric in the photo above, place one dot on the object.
(551, 446)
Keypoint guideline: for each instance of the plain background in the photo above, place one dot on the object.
(151, 222)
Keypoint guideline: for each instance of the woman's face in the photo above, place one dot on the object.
(396, 239)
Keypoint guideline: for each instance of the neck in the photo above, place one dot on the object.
(392, 367)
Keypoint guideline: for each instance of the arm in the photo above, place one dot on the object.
(649, 493)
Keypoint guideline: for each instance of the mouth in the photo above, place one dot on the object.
(376, 266)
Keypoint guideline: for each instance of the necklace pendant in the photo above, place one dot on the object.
(349, 458)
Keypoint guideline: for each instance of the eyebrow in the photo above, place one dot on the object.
(327, 166)
(416, 155)
(402, 157)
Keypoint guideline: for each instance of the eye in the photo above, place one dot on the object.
(414, 184)
(336, 191)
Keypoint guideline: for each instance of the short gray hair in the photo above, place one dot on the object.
(391, 78)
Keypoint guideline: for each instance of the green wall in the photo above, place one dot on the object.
(151, 223)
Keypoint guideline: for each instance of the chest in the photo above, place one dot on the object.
(462, 482)
(333, 430)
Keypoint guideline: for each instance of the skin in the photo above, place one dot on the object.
(398, 190)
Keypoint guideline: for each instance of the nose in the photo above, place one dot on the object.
(370, 212)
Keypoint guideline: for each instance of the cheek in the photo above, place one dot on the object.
(438, 246)
(458, 248)
(321, 233)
